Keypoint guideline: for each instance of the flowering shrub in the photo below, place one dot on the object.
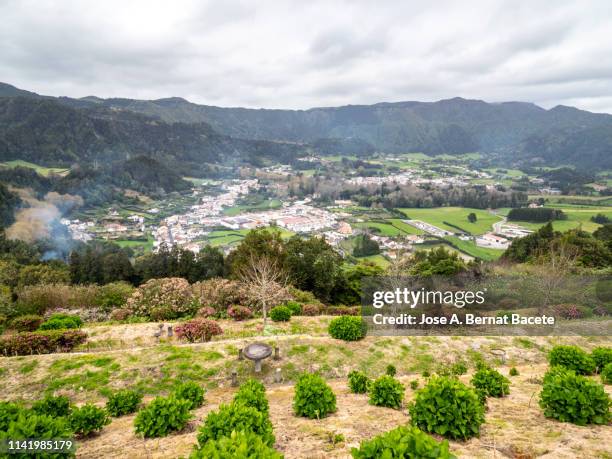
(343, 311)
(568, 311)
(311, 309)
(206, 311)
(120, 314)
(219, 293)
(45, 342)
(29, 322)
(172, 294)
(198, 330)
(239, 312)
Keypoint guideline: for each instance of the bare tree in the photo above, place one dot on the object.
(265, 281)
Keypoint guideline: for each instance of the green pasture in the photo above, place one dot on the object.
(456, 216)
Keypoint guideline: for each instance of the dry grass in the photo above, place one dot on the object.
(514, 427)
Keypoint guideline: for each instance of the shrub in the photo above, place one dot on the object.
(123, 402)
(458, 368)
(568, 311)
(198, 330)
(27, 323)
(39, 427)
(235, 417)
(311, 310)
(206, 311)
(253, 393)
(37, 299)
(347, 328)
(61, 322)
(492, 382)
(403, 443)
(120, 314)
(9, 412)
(53, 406)
(190, 391)
(294, 307)
(425, 374)
(391, 370)
(163, 312)
(162, 416)
(601, 356)
(572, 357)
(239, 312)
(447, 407)
(219, 293)
(313, 397)
(606, 374)
(414, 384)
(343, 311)
(569, 397)
(44, 342)
(241, 444)
(280, 314)
(88, 419)
(358, 382)
(513, 372)
(113, 295)
(386, 391)
(171, 296)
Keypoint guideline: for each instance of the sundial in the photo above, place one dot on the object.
(257, 352)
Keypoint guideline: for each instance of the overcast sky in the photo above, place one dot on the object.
(301, 54)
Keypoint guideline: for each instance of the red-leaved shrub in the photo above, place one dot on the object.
(198, 330)
(26, 323)
(46, 342)
(206, 311)
(311, 310)
(239, 312)
(568, 311)
(343, 311)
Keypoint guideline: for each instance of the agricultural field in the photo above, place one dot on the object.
(44, 171)
(576, 217)
(440, 216)
(468, 247)
(268, 204)
(121, 356)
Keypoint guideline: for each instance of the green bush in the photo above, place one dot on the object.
(601, 356)
(88, 419)
(386, 391)
(513, 372)
(280, 314)
(61, 321)
(190, 391)
(39, 427)
(447, 407)
(569, 397)
(572, 357)
(606, 374)
(403, 443)
(237, 445)
(253, 393)
(458, 368)
(414, 384)
(235, 417)
(294, 307)
(26, 323)
(391, 370)
(9, 412)
(347, 328)
(358, 382)
(313, 398)
(492, 382)
(53, 406)
(162, 416)
(123, 402)
(112, 296)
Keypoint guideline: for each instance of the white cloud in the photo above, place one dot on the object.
(296, 54)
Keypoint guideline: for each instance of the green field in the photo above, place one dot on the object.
(39, 169)
(456, 216)
(222, 238)
(575, 217)
(473, 250)
(147, 245)
(379, 260)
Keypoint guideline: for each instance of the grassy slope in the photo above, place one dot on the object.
(39, 169)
